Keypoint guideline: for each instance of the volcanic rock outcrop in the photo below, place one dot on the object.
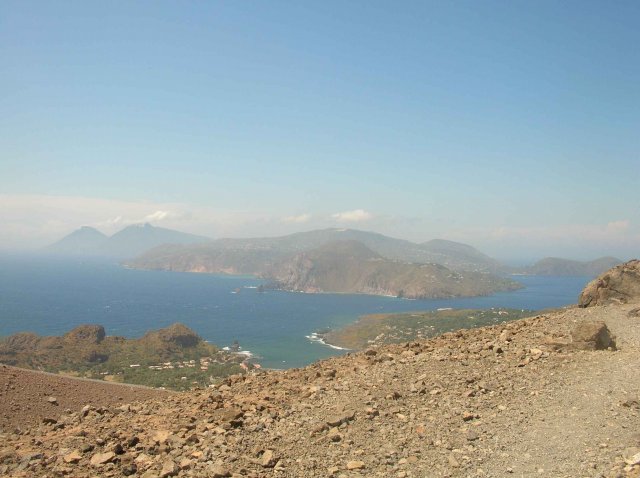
(620, 285)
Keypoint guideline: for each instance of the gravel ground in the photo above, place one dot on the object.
(516, 399)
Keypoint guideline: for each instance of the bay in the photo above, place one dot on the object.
(50, 296)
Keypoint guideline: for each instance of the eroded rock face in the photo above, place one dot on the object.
(620, 285)
(592, 335)
(177, 334)
(89, 334)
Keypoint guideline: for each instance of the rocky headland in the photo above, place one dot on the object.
(554, 395)
(173, 357)
(352, 268)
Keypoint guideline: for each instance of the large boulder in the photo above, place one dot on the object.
(592, 335)
(620, 285)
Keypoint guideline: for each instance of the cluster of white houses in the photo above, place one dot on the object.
(203, 363)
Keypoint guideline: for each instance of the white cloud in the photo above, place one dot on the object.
(619, 226)
(154, 217)
(357, 215)
(302, 218)
(115, 220)
(157, 216)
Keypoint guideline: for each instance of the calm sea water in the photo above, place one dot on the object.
(50, 296)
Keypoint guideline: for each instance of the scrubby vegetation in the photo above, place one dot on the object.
(380, 329)
(174, 357)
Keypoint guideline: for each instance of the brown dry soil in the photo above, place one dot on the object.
(24, 396)
(511, 400)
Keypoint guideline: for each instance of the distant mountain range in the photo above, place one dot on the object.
(258, 255)
(554, 266)
(129, 242)
(327, 260)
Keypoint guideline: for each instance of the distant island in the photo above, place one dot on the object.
(183, 251)
(129, 242)
(341, 261)
(555, 266)
(174, 357)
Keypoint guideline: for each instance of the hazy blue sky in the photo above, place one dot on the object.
(511, 125)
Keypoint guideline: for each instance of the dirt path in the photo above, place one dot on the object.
(577, 424)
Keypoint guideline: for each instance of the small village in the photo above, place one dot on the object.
(203, 364)
(184, 372)
(225, 357)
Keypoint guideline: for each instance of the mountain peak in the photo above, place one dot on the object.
(83, 241)
(126, 243)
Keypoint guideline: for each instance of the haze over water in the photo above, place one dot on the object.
(50, 296)
(510, 126)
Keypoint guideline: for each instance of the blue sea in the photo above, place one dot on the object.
(50, 296)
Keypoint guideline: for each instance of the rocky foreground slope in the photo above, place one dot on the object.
(508, 400)
(554, 395)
